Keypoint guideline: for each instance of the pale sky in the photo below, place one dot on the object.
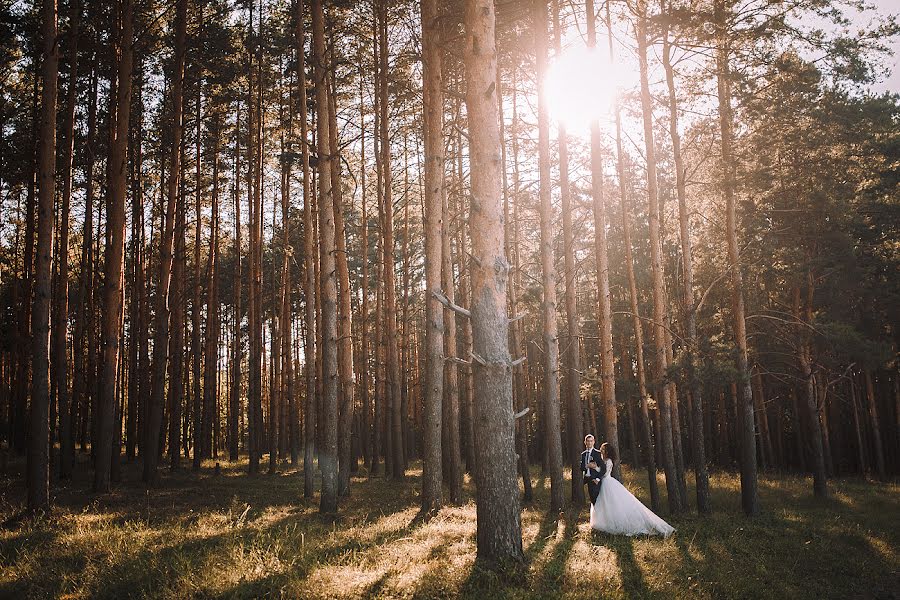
(892, 83)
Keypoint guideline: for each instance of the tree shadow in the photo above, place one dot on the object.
(633, 582)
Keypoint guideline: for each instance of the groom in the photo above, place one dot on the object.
(592, 467)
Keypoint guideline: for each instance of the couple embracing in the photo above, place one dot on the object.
(613, 508)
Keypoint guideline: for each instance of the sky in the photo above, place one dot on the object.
(891, 83)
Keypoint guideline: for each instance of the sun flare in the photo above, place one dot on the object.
(582, 85)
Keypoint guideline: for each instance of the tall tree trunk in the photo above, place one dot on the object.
(210, 387)
(328, 276)
(196, 348)
(803, 312)
(607, 362)
(345, 329)
(115, 250)
(499, 535)
(289, 430)
(235, 400)
(572, 355)
(137, 325)
(254, 312)
(309, 260)
(60, 358)
(876, 426)
(177, 374)
(433, 205)
(515, 283)
(167, 240)
(390, 287)
(701, 476)
(548, 271)
(663, 394)
(82, 313)
(366, 424)
(39, 424)
(749, 491)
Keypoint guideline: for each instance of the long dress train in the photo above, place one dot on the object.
(617, 511)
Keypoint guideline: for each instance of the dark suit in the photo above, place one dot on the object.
(590, 475)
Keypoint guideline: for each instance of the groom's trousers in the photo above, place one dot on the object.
(593, 490)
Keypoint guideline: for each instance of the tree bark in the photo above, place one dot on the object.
(749, 491)
(574, 433)
(199, 436)
(548, 270)
(433, 205)
(235, 400)
(701, 476)
(328, 276)
(390, 287)
(167, 240)
(115, 250)
(499, 533)
(38, 467)
(875, 424)
(60, 358)
(663, 395)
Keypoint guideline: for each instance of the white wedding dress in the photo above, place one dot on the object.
(617, 511)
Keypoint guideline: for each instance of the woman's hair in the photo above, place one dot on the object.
(610, 451)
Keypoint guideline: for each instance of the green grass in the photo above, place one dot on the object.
(193, 536)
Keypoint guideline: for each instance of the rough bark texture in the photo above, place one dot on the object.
(499, 532)
(115, 252)
(38, 469)
(432, 475)
(328, 275)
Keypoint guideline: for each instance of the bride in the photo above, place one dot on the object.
(617, 511)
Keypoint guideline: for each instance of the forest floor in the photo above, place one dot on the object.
(232, 535)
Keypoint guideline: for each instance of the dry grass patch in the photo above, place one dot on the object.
(235, 536)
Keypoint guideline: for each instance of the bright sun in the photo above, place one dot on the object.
(581, 87)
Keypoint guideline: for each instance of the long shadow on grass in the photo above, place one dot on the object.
(552, 573)
(633, 582)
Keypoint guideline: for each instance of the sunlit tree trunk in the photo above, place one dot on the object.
(574, 434)
(499, 533)
(433, 204)
(390, 287)
(328, 272)
(698, 454)
(749, 491)
(659, 292)
(515, 283)
(548, 270)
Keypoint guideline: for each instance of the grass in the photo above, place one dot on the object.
(235, 536)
